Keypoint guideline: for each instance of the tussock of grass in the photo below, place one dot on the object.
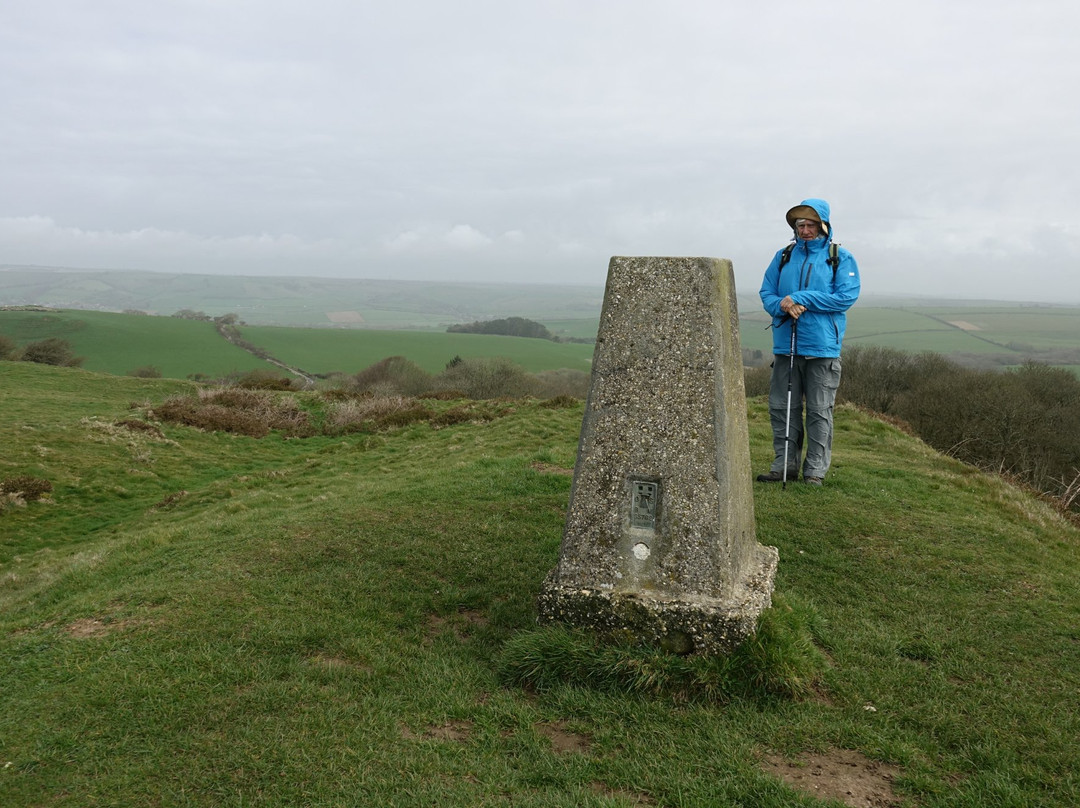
(781, 660)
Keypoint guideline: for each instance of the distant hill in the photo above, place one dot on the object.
(330, 302)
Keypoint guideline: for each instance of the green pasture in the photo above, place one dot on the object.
(120, 343)
(349, 351)
(1020, 327)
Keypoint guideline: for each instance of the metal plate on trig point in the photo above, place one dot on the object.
(643, 502)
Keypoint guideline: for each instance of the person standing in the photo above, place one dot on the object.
(808, 286)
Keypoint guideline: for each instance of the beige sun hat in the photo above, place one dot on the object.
(802, 212)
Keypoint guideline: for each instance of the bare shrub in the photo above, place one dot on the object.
(25, 487)
(878, 378)
(372, 413)
(211, 417)
(562, 382)
(486, 377)
(757, 380)
(244, 412)
(394, 375)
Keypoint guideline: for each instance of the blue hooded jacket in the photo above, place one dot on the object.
(809, 280)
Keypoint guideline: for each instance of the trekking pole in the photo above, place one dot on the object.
(787, 425)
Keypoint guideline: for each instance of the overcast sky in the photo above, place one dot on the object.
(527, 140)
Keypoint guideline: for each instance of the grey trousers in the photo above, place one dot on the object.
(814, 380)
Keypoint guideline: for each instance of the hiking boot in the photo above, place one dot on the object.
(777, 477)
(813, 481)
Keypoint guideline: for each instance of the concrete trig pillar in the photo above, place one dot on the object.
(660, 542)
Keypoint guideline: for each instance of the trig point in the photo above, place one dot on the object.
(659, 544)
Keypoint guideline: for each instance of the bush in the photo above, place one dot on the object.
(370, 413)
(25, 487)
(482, 378)
(8, 348)
(145, 372)
(394, 375)
(757, 381)
(563, 382)
(51, 351)
(878, 378)
(243, 412)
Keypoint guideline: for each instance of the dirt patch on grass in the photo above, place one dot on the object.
(562, 739)
(450, 731)
(460, 624)
(839, 774)
(89, 627)
(337, 662)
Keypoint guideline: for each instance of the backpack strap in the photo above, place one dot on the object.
(785, 256)
(833, 259)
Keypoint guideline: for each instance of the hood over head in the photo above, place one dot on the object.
(816, 209)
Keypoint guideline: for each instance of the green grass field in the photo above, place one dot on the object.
(322, 351)
(201, 619)
(120, 343)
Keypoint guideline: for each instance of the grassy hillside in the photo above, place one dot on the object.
(201, 619)
(120, 343)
